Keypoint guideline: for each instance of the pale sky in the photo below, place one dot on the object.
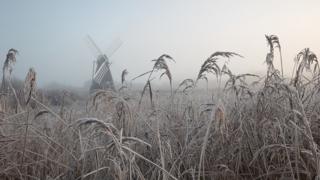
(50, 34)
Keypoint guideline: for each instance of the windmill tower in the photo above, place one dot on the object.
(101, 73)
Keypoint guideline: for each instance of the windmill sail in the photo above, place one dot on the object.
(101, 72)
(102, 78)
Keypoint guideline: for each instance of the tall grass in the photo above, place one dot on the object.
(252, 128)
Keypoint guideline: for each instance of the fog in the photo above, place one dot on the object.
(50, 35)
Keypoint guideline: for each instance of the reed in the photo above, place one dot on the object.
(251, 128)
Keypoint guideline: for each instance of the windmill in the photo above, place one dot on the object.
(101, 73)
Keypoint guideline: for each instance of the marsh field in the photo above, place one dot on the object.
(247, 127)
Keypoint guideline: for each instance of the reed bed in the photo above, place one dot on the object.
(249, 127)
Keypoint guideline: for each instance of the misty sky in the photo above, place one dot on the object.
(50, 35)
